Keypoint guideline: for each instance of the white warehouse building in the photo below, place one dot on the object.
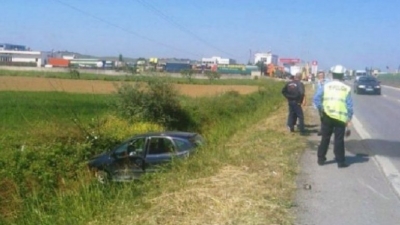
(216, 60)
(34, 57)
(267, 58)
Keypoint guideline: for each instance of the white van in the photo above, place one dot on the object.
(360, 73)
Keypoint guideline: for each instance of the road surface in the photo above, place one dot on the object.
(368, 191)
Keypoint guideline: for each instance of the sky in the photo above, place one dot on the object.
(353, 33)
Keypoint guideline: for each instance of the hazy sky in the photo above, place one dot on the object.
(355, 33)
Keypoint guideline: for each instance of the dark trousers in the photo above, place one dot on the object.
(330, 126)
(295, 113)
(320, 117)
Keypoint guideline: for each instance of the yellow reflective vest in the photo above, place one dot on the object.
(334, 100)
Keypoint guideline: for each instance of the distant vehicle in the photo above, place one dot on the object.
(176, 67)
(142, 154)
(360, 73)
(347, 77)
(367, 85)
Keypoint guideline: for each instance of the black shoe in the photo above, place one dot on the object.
(303, 132)
(321, 162)
(290, 129)
(342, 165)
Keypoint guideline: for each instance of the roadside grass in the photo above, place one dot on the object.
(390, 79)
(248, 179)
(244, 175)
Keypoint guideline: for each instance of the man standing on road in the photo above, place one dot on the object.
(335, 102)
(294, 92)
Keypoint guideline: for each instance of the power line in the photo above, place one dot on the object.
(179, 26)
(123, 29)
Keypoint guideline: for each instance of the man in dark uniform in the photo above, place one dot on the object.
(294, 92)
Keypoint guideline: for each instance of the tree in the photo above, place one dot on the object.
(188, 74)
(212, 75)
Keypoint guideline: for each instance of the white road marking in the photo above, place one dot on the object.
(373, 190)
(393, 88)
(388, 169)
(391, 98)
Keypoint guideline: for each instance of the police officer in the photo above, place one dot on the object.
(335, 102)
(294, 92)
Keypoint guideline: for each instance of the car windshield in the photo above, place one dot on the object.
(367, 79)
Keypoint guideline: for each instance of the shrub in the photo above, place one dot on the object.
(188, 74)
(156, 102)
(212, 75)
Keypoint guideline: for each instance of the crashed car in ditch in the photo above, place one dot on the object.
(143, 153)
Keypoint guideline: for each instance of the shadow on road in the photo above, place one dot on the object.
(352, 159)
(373, 147)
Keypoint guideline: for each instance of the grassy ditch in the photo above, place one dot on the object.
(244, 175)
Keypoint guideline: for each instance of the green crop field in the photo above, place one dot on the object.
(20, 109)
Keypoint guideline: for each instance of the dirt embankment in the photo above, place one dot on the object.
(13, 83)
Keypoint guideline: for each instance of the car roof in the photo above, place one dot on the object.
(178, 134)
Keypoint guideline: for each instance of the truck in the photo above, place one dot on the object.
(176, 67)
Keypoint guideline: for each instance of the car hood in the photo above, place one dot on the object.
(100, 160)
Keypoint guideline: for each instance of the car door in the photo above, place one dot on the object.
(161, 151)
(129, 160)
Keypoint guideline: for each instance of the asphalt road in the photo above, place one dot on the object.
(368, 191)
(377, 119)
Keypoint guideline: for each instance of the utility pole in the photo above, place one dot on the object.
(250, 56)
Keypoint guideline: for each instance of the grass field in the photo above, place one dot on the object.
(390, 79)
(245, 175)
(21, 109)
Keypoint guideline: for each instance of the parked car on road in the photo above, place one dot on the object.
(142, 154)
(367, 85)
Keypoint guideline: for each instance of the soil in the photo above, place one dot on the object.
(15, 83)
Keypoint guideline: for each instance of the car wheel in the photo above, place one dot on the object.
(378, 92)
(102, 177)
(356, 91)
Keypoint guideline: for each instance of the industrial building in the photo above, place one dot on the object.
(12, 47)
(267, 58)
(11, 54)
(216, 60)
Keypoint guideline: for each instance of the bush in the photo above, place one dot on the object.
(157, 102)
(212, 75)
(188, 74)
